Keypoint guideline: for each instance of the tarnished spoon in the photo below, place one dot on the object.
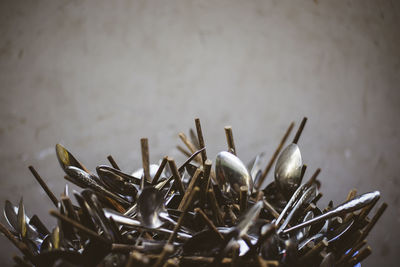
(65, 158)
(85, 178)
(231, 170)
(349, 206)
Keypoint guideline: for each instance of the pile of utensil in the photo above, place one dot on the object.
(194, 214)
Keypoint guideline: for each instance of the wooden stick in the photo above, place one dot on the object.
(206, 180)
(113, 163)
(184, 211)
(271, 209)
(194, 139)
(274, 156)
(137, 259)
(364, 253)
(20, 245)
(79, 226)
(160, 170)
(243, 199)
(349, 254)
(209, 223)
(44, 186)
(229, 140)
(299, 131)
(183, 151)
(167, 250)
(176, 175)
(190, 187)
(314, 177)
(235, 255)
(314, 251)
(190, 146)
(201, 259)
(144, 143)
(352, 193)
(374, 219)
(303, 171)
(201, 139)
(214, 207)
(187, 142)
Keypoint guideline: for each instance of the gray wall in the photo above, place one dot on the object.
(97, 77)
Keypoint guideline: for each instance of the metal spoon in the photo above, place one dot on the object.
(65, 158)
(85, 178)
(305, 199)
(288, 170)
(255, 168)
(127, 221)
(150, 205)
(289, 164)
(349, 206)
(231, 170)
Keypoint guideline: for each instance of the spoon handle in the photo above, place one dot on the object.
(349, 206)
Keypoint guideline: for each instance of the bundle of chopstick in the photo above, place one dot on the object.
(202, 213)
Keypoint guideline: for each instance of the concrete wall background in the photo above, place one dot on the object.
(97, 77)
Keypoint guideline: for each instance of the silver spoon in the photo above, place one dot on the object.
(231, 170)
(349, 206)
(255, 168)
(87, 179)
(305, 199)
(150, 205)
(288, 166)
(127, 221)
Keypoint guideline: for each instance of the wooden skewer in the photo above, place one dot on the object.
(201, 259)
(137, 259)
(209, 223)
(314, 251)
(193, 137)
(349, 254)
(243, 198)
(167, 250)
(303, 171)
(229, 140)
(187, 142)
(190, 187)
(113, 163)
(318, 197)
(201, 139)
(314, 177)
(299, 131)
(271, 209)
(352, 193)
(159, 171)
(274, 156)
(144, 143)
(214, 207)
(20, 245)
(190, 146)
(176, 175)
(183, 151)
(206, 180)
(44, 186)
(79, 226)
(374, 219)
(364, 253)
(235, 255)
(184, 211)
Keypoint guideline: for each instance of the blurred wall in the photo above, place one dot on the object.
(97, 76)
